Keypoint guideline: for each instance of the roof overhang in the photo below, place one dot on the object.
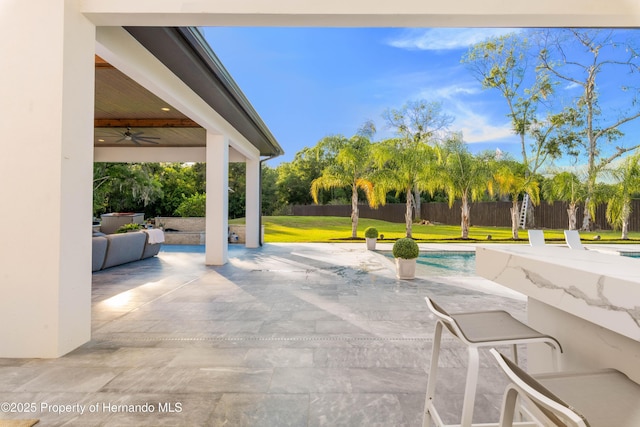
(122, 103)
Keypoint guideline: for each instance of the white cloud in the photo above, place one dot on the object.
(470, 117)
(475, 129)
(445, 38)
(454, 91)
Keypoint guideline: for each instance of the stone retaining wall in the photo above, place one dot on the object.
(191, 230)
(188, 230)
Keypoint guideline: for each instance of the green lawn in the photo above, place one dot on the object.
(338, 229)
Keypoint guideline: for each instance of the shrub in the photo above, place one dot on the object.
(371, 232)
(132, 226)
(406, 248)
(192, 206)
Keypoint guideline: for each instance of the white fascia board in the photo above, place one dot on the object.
(116, 46)
(364, 13)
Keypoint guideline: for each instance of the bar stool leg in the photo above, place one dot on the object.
(508, 407)
(433, 370)
(470, 388)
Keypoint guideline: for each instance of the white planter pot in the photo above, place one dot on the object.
(371, 243)
(406, 268)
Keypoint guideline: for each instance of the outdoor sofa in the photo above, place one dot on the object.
(109, 250)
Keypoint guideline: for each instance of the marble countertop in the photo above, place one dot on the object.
(603, 288)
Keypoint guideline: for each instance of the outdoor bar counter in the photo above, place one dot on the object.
(587, 299)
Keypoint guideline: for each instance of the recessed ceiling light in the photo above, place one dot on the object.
(166, 109)
(100, 140)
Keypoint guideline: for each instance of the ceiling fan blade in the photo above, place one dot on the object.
(149, 139)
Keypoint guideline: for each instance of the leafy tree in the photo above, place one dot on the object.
(350, 169)
(237, 190)
(566, 187)
(123, 187)
(418, 122)
(397, 167)
(511, 179)
(460, 174)
(199, 171)
(581, 58)
(619, 203)
(269, 197)
(295, 177)
(503, 64)
(178, 181)
(193, 206)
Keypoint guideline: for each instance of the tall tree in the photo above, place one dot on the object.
(295, 177)
(566, 187)
(124, 187)
(398, 165)
(269, 198)
(460, 174)
(503, 64)
(237, 190)
(511, 179)
(627, 184)
(582, 58)
(350, 169)
(417, 122)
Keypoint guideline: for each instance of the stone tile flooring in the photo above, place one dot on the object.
(284, 335)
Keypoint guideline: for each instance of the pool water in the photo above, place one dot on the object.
(631, 254)
(447, 263)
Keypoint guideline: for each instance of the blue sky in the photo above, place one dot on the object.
(307, 83)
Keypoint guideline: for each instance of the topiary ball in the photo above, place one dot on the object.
(406, 248)
(371, 232)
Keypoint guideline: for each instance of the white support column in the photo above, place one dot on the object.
(252, 207)
(46, 107)
(217, 221)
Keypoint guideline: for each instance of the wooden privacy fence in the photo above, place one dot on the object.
(495, 214)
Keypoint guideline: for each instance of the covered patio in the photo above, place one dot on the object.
(287, 334)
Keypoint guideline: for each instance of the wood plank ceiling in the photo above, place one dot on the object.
(126, 114)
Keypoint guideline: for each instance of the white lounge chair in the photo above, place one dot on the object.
(477, 329)
(603, 398)
(572, 237)
(536, 238)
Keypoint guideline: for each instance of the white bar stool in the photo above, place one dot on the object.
(604, 398)
(477, 329)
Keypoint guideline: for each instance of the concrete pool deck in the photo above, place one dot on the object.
(288, 334)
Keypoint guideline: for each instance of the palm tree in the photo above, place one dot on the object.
(567, 187)
(619, 205)
(398, 164)
(350, 168)
(461, 175)
(512, 180)
(419, 121)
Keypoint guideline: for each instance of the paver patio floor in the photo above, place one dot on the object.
(284, 335)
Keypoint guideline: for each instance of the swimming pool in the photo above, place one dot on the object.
(445, 263)
(457, 263)
(631, 254)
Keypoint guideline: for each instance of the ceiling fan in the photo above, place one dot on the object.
(136, 137)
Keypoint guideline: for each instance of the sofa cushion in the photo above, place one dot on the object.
(152, 249)
(98, 252)
(123, 248)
